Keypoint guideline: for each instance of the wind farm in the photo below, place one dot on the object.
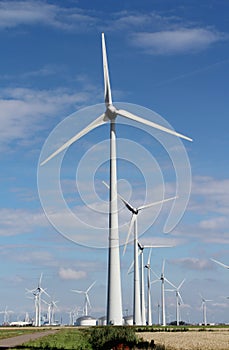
(54, 250)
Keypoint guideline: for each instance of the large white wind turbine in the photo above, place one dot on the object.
(178, 299)
(87, 303)
(220, 263)
(114, 295)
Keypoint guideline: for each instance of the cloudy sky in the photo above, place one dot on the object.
(169, 61)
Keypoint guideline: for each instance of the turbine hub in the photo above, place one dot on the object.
(111, 112)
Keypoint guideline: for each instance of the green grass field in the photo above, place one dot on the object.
(106, 338)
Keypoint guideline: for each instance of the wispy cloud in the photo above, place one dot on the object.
(19, 221)
(193, 263)
(22, 110)
(16, 13)
(71, 274)
(177, 41)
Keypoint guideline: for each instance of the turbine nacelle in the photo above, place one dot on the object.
(111, 112)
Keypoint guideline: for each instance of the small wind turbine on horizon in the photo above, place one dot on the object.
(6, 317)
(179, 299)
(37, 300)
(163, 279)
(87, 303)
(204, 307)
(114, 293)
(51, 311)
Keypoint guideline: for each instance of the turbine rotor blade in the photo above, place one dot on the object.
(149, 257)
(158, 278)
(180, 285)
(134, 216)
(88, 300)
(171, 284)
(130, 268)
(131, 116)
(39, 283)
(89, 288)
(157, 246)
(163, 267)
(44, 291)
(127, 204)
(156, 203)
(219, 263)
(179, 295)
(97, 122)
(107, 88)
(77, 291)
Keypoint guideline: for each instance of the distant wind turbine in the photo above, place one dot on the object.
(87, 303)
(149, 313)
(114, 295)
(163, 279)
(37, 299)
(6, 313)
(137, 303)
(204, 306)
(178, 299)
(51, 311)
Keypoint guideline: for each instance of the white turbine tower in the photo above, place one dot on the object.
(87, 303)
(178, 299)
(220, 263)
(149, 314)
(114, 295)
(204, 307)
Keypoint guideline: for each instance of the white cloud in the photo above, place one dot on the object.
(193, 263)
(70, 274)
(19, 221)
(22, 111)
(177, 41)
(15, 13)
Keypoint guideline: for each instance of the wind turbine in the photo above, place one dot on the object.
(178, 299)
(86, 298)
(204, 306)
(149, 314)
(37, 299)
(220, 263)
(114, 294)
(137, 302)
(51, 311)
(6, 313)
(142, 284)
(163, 279)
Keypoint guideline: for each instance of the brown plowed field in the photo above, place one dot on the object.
(190, 340)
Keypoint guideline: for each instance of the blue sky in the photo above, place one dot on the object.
(169, 57)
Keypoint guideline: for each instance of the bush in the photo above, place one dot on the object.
(118, 338)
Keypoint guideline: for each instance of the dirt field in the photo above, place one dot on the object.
(190, 340)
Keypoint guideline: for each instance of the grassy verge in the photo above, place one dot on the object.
(9, 333)
(94, 338)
